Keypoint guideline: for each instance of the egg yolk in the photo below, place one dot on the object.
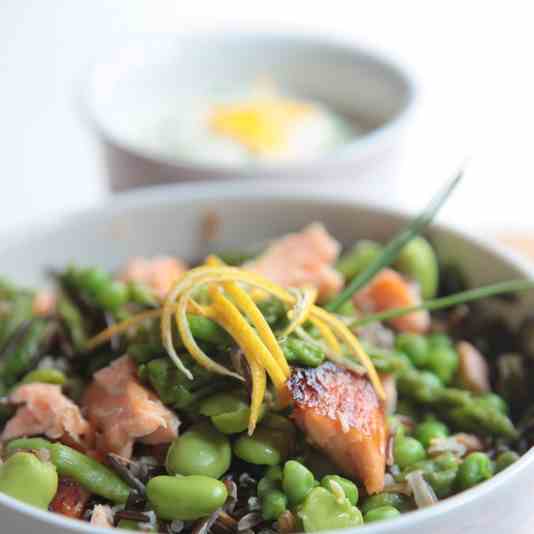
(261, 125)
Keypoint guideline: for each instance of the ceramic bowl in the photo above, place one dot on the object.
(172, 220)
(134, 83)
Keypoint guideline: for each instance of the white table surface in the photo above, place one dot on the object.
(473, 60)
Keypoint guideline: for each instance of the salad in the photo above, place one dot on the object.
(302, 388)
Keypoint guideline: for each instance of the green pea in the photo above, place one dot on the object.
(428, 430)
(505, 459)
(414, 346)
(476, 468)
(274, 472)
(438, 339)
(380, 514)
(418, 261)
(297, 481)
(358, 258)
(201, 450)
(229, 411)
(265, 447)
(273, 504)
(322, 510)
(185, 497)
(28, 479)
(45, 376)
(112, 296)
(396, 500)
(442, 482)
(492, 401)
(94, 280)
(350, 489)
(421, 385)
(408, 451)
(443, 361)
(446, 460)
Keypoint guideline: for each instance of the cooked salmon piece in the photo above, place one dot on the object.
(44, 410)
(389, 290)
(340, 414)
(70, 499)
(102, 516)
(159, 273)
(44, 303)
(302, 259)
(123, 411)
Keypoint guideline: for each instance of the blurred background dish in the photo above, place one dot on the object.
(243, 105)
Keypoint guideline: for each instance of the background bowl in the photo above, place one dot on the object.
(173, 220)
(133, 84)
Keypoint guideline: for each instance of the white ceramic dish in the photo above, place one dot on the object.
(170, 220)
(128, 87)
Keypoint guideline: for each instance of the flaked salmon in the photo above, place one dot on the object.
(123, 411)
(159, 273)
(71, 498)
(44, 410)
(389, 290)
(340, 414)
(302, 259)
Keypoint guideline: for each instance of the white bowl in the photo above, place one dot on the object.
(125, 89)
(170, 220)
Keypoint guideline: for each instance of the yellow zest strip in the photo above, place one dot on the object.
(301, 311)
(246, 337)
(247, 305)
(326, 334)
(120, 328)
(197, 309)
(189, 341)
(347, 337)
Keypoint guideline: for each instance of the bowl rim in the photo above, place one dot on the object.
(362, 147)
(239, 190)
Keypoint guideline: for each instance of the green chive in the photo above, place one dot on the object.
(511, 286)
(392, 249)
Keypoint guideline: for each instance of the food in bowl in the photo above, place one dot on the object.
(261, 396)
(249, 126)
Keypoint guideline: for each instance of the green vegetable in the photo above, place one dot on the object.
(505, 459)
(380, 514)
(492, 401)
(392, 249)
(127, 524)
(322, 510)
(45, 376)
(28, 479)
(72, 318)
(139, 293)
(396, 500)
(415, 346)
(476, 468)
(19, 311)
(201, 450)
(417, 260)
(273, 503)
(266, 485)
(92, 280)
(265, 447)
(428, 430)
(185, 497)
(440, 473)
(274, 472)
(89, 473)
(408, 451)
(205, 329)
(299, 352)
(21, 356)
(229, 411)
(350, 489)
(297, 481)
(356, 260)
(443, 361)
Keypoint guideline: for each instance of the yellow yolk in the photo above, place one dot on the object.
(260, 125)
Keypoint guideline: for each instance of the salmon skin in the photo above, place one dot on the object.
(340, 414)
(71, 499)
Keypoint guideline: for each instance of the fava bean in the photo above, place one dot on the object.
(476, 468)
(443, 361)
(407, 451)
(265, 447)
(321, 510)
(397, 500)
(201, 450)
(350, 489)
(185, 497)
(297, 481)
(380, 514)
(358, 258)
(45, 376)
(28, 479)
(273, 504)
(505, 459)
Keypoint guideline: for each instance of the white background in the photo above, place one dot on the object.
(473, 59)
